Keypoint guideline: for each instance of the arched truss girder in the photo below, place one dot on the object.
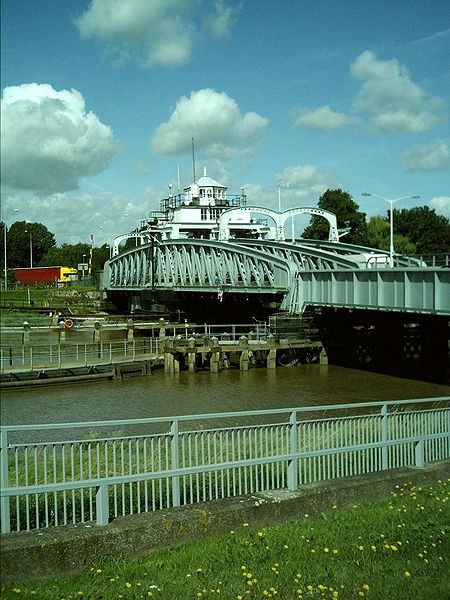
(199, 265)
(304, 256)
(279, 218)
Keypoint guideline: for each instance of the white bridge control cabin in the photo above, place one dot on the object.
(206, 211)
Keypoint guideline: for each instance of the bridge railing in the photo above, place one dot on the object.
(34, 357)
(56, 474)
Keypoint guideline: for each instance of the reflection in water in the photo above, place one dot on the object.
(203, 392)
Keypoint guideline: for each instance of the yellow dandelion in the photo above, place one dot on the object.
(98, 571)
(245, 525)
(366, 586)
(285, 546)
(407, 574)
(199, 570)
(16, 590)
(326, 550)
(361, 594)
(361, 547)
(335, 551)
(128, 584)
(149, 593)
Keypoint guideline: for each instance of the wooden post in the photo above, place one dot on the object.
(323, 359)
(243, 358)
(272, 359)
(168, 362)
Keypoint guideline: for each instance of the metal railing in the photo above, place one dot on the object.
(144, 465)
(55, 356)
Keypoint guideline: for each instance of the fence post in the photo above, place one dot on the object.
(102, 504)
(175, 462)
(59, 355)
(384, 437)
(4, 481)
(419, 455)
(292, 471)
(31, 358)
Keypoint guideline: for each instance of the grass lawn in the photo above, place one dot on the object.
(390, 550)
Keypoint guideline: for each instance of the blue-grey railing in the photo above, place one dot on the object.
(64, 473)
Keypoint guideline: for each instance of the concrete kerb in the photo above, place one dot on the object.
(58, 551)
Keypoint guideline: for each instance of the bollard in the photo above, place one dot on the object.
(26, 333)
(62, 332)
(97, 332)
(130, 329)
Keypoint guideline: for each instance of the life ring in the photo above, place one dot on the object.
(68, 323)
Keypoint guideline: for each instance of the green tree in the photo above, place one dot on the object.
(348, 216)
(26, 239)
(429, 231)
(67, 255)
(378, 236)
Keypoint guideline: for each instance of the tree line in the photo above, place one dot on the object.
(32, 243)
(417, 230)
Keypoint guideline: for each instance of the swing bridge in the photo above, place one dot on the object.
(295, 273)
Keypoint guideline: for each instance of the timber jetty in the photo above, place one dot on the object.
(40, 356)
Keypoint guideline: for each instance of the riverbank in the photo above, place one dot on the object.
(380, 536)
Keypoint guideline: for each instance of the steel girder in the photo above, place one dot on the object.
(199, 265)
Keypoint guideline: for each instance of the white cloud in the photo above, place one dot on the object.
(209, 116)
(154, 32)
(390, 98)
(104, 215)
(219, 23)
(305, 179)
(49, 142)
(321, 118)
(299, 185)
(434, 156)
(441, 204)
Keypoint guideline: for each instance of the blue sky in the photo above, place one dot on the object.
(100, 99)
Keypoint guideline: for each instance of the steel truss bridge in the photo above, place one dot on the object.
(300, 273)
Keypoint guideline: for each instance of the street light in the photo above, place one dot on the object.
(4, 256)
(391, 202)
(31, 247)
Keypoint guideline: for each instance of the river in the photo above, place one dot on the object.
(184, 393)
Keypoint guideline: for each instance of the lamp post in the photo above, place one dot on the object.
(4, 256)
(391, 202)
(31, 247)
